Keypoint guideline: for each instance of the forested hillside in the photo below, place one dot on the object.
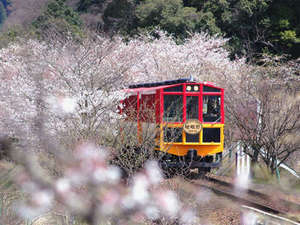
(253, 27)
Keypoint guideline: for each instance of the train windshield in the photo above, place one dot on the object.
(211, 108)
(192, 107)
(173, 105)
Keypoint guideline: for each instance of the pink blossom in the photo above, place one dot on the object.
(153, 172)
(42, 198)
(110, 202)
(168, 203)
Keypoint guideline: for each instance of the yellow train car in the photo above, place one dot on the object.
(189, 120)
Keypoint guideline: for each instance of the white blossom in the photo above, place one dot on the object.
(153, 172)
(188, 217)
(63, 185)
(139, 191)
(43, 198)
(169, 203)
(152, 212)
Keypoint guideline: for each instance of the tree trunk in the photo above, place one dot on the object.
(254, 158)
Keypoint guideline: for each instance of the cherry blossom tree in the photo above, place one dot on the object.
(59, 100)
(264, 113)
(201, 56)
(86, 78)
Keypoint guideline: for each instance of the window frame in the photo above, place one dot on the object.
(221, 94)
(200, 95)
(163, 106)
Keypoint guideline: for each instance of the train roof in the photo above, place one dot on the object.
(160, 85)
(163, 83)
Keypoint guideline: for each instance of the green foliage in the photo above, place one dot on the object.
(61, 18)
(169, 15)
(8, 37)
(254, 27)
(13, 33)
(83, 5)
(283, 23)
(110, 16)
(285, 27)
(119, 16)
(288, 36)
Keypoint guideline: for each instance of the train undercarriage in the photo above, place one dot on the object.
(183, 164)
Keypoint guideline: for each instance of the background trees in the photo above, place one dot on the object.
(264, 112)
(170, 16)
(253, 27)
(58, 18)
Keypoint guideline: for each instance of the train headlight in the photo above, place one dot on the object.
(188, 88)
(196, 88)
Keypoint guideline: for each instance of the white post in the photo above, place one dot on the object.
(248, 165)
(238, 166)
(242, 167)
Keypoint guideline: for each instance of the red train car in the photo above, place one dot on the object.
(189, 120)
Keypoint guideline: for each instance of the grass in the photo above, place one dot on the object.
(9, 195)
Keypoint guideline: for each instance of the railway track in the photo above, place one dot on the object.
(262, 217)
(251, 198)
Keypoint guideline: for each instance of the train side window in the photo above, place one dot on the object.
(174, 89)
(173, 107)
(210, 89)
(211, 108)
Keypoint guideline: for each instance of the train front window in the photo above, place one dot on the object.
(211, 108)
(192, 107)
(173, 108)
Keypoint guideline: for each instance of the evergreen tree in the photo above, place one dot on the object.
(61, 18)
(84, 5)
(172, 16)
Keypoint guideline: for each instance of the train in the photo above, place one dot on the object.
(188, 117)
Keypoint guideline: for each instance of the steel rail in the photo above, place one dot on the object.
(248, 197)
(276, 217)
(286, 204)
